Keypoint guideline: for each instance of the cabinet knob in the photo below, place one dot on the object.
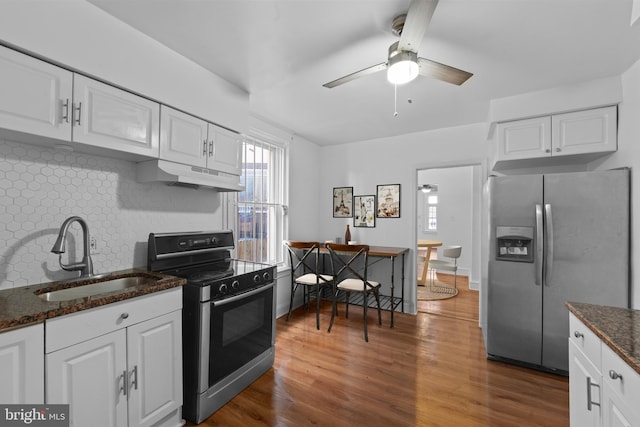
(547, 150)
(124, 315)
(558, 150)
(614, 375)
(578, 334)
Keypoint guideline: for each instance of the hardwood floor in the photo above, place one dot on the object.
(430, 370)
(462, 306)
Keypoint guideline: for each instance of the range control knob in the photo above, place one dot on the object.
(266, 275)
(256, 278)
(235, 285)
(223, 288)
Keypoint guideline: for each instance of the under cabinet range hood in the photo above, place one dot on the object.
(178, 174)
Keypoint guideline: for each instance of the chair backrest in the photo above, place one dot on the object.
(303, 257)
(348, 261)
(452, 251)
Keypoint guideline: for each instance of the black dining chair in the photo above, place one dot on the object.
(349, 264)
(304, 259)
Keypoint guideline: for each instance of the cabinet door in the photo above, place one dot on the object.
(584, 389)
(107, 117)
(36, 96)
(589, 131)
(616, 412)
(22, 365)
(90, 377)
(524, 139)
(183, 138)
(226, 155)
(155, 368)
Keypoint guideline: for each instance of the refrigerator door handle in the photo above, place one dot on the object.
(538, 243)
(549, 241)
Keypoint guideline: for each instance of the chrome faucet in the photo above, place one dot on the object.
(86, 265)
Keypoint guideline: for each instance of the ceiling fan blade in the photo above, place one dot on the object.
(357, 74)
(443, 72)
(416, 23)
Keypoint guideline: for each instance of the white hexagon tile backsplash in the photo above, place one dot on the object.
(40, 187)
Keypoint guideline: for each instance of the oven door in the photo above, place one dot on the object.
(241, 329)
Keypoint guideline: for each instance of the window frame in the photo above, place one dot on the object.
(277, 202)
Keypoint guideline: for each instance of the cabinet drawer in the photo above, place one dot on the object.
(585, 339)
(628, 387)
(74, 328)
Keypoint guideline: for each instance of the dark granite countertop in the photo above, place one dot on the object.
(21, 306)
(619, 328)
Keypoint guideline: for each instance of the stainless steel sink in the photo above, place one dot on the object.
(97, 288)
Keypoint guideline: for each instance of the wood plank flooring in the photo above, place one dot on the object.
(430, 370)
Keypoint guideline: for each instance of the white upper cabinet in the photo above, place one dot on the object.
(107, 117)
(183, 138)
(576, 137)
(524, 139)
(22, 365)
(43, 102)
(589, 131)
(226, 155)
(193, 141)
(35, 96)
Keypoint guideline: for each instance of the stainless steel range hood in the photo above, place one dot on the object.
(172, 173)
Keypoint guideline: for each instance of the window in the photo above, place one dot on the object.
(431, 207)
(261, 208)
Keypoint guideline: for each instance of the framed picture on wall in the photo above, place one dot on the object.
(388, 197)
(364, 208)
(342, 202)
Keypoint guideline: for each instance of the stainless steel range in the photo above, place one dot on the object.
(228, 316)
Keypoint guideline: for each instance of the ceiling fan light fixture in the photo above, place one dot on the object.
(403, 67)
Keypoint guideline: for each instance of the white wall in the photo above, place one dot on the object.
(364, 165)
(628, 154)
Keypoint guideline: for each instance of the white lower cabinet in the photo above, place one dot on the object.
(22, 365)
(129, 376)
(603, 389)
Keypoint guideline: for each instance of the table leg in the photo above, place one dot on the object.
(425, 268)
(393, 264)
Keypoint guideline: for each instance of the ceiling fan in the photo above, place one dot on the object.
(403, 64)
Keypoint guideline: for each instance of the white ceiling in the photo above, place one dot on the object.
(282, 51)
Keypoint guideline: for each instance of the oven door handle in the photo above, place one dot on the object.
(242, 296)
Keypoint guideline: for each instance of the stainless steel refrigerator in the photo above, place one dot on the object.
(554, 238)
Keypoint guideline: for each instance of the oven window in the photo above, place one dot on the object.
(240, 331)
(242, 322)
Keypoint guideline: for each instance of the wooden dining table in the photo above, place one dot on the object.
(428, 244)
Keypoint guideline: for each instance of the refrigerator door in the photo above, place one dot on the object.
(514, 311)
(587, 249)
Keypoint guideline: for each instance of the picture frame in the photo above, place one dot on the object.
(388, 201)
(364, 208)
(343, 202)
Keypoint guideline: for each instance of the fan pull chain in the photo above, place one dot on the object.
(395, 100)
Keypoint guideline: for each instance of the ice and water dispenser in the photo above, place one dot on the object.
(514, 244)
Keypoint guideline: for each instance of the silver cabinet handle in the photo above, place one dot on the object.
(578, 334)
(125, 382)
(133, 378)
(614, 375)
(590, 403)
(204, 147)
(124, 316)
(79, 110)
(65, 105)
(210, 148)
